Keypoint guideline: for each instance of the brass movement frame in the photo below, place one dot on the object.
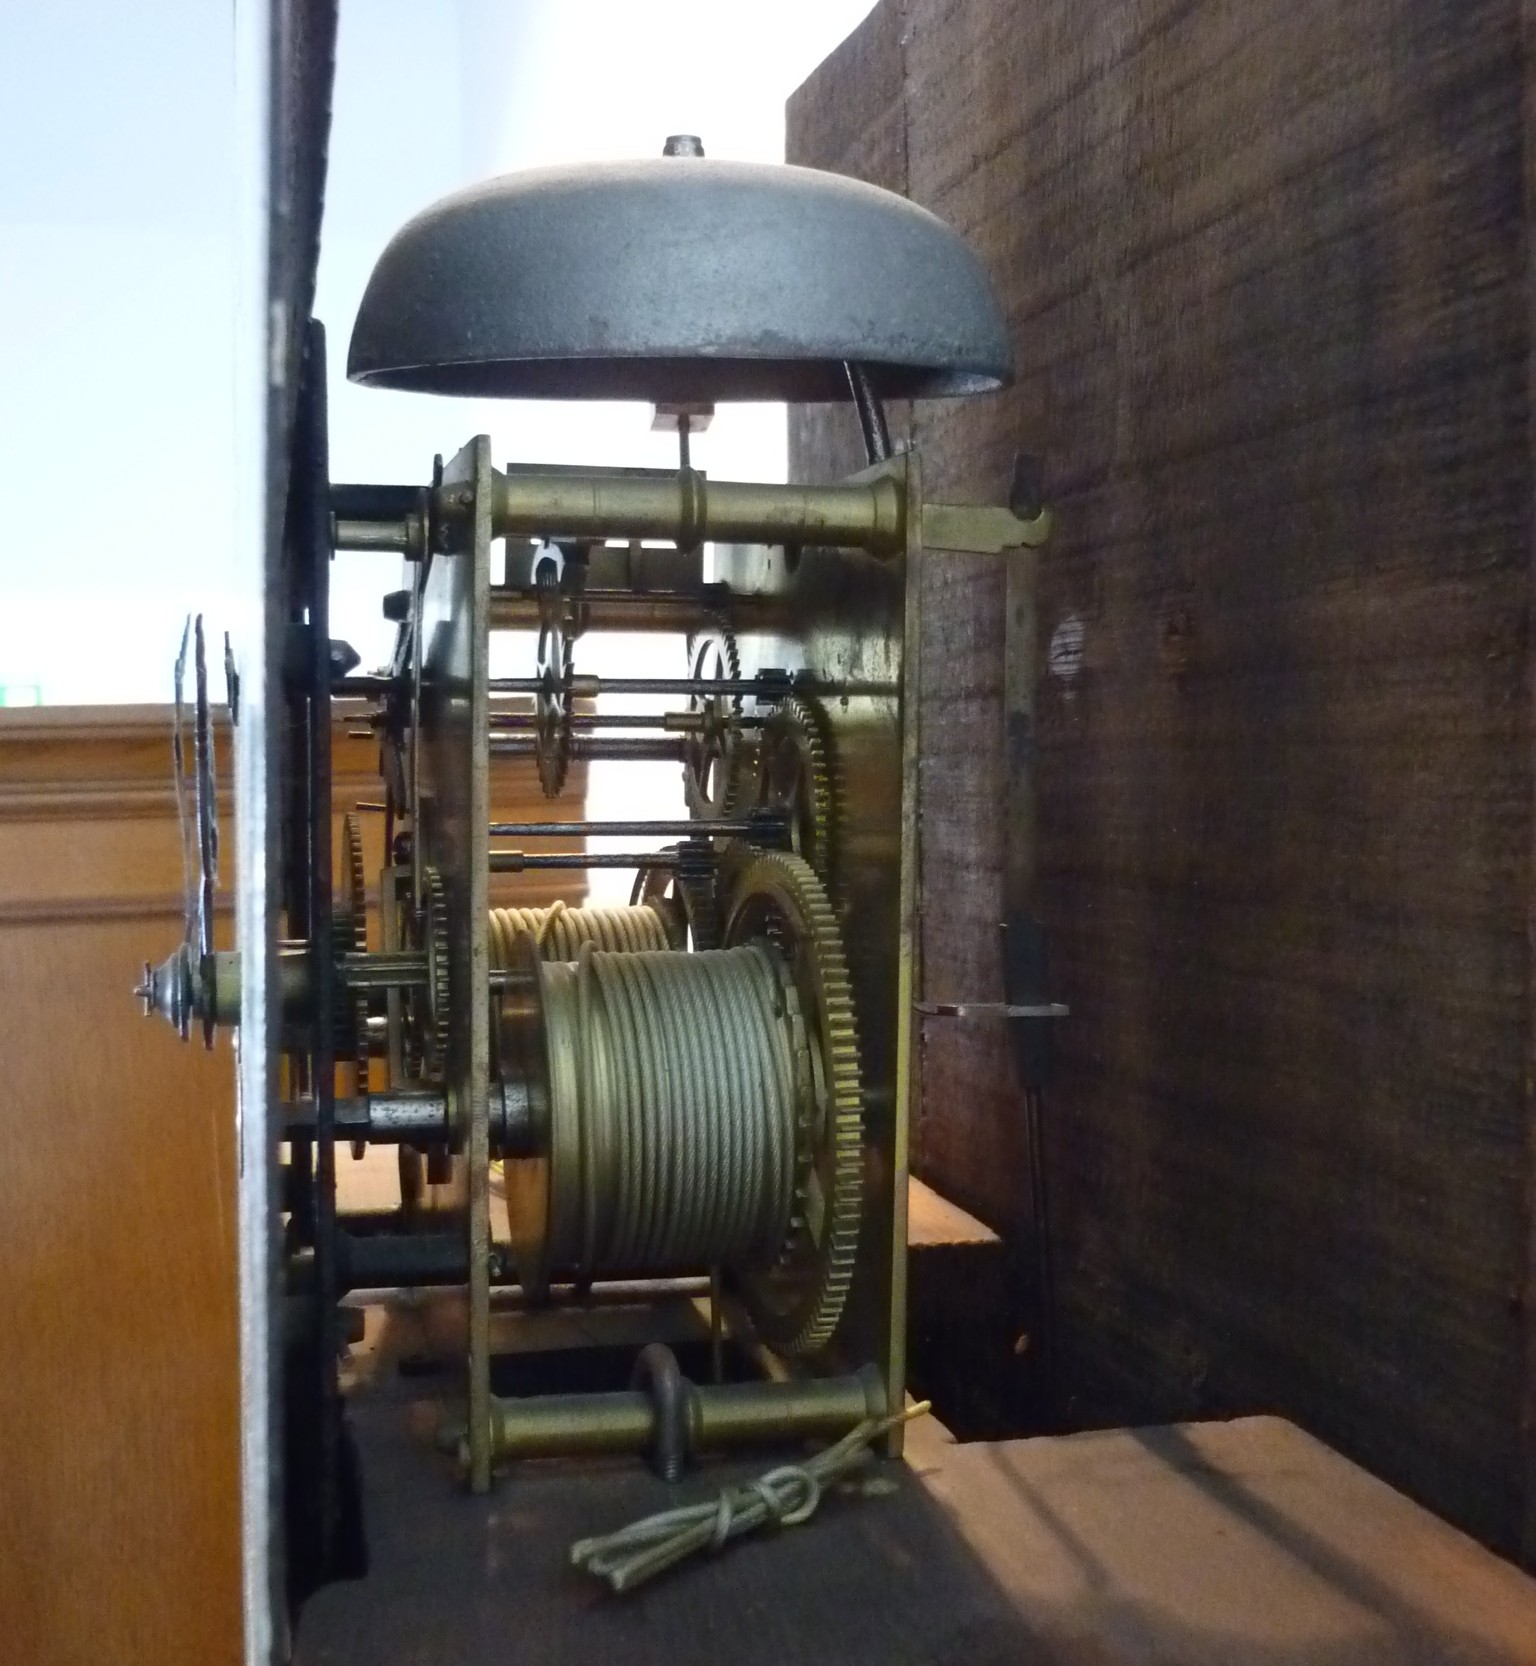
(818, 581)
(451, 835)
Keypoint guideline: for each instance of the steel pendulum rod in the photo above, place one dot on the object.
(735, 827)
(522, 861)
(767, 685)
(676, 723)
(647, 611)
(606, 720)
(587, 748)
(381, 971)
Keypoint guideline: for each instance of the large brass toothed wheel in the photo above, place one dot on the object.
(700, 1108)
(796, 1303)
(714, 757)
(794, 777)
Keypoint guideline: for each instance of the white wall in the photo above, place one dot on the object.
(116, 351)
(117, 299)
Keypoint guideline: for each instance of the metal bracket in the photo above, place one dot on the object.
(981, 529)
(991, 1009)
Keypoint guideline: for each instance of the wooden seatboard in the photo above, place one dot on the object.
(1206, 1544)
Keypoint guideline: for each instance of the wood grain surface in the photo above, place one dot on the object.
(1203, 1545)
(119, 1398)
(1268, 276)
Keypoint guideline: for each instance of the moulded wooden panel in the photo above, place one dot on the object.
(119, 1531)
(119, 1403)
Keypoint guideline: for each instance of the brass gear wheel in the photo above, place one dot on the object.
(553, 705)
(415, 1000)
(685, 896)
(700, 908)
(713, 774)
(357, 923)
(794, 777)
(434, 937)
(655, 887)
(796, 1305)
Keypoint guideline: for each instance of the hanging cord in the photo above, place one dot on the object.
(560, 930)
(786, 1496)
(552, 914)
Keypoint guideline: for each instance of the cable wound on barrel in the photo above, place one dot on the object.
(561, 932)
(674, 1148)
